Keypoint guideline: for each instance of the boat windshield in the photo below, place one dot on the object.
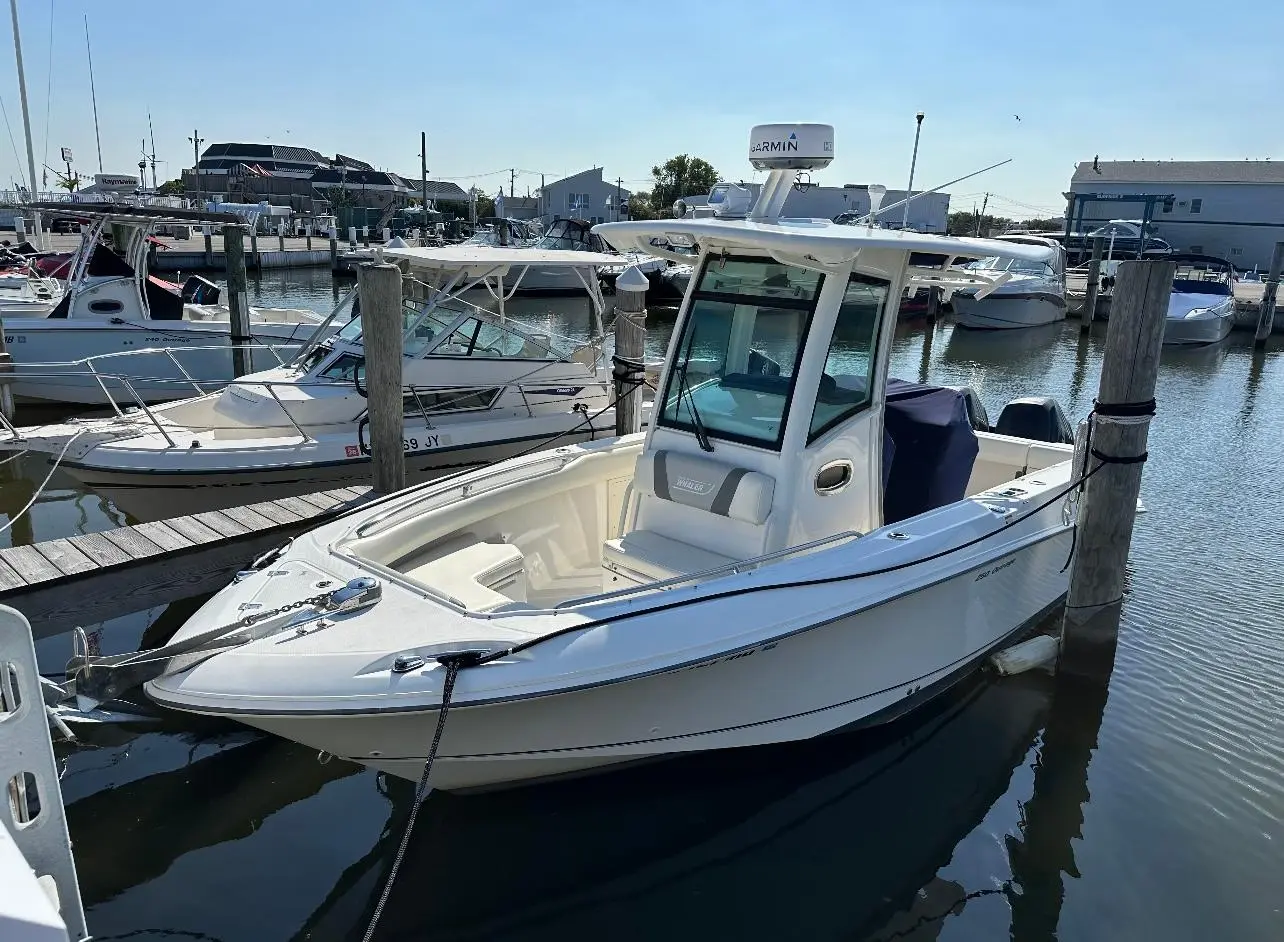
(566, 234)
(1017, 266)
(737, 355)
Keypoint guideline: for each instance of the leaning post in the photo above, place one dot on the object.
(1094, 285)
(629, 365)
(1266, 313)
(1119, 429)
(379, 290)
(238, 303)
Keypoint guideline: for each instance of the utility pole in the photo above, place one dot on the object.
(197, 141)
(512, 183)
(619, 196)
(981, 215)
(423, 179)
(541, 198)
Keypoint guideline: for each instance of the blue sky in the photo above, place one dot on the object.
(564, 85)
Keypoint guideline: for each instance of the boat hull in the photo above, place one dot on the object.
(152, 495)
(41, 351)
(1008, 312)
(1193, 331)
(860, 668)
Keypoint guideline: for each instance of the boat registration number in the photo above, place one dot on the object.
(415, 443)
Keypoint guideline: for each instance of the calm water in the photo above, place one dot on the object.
(1012, 809)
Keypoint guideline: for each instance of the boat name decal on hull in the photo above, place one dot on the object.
(989, 572)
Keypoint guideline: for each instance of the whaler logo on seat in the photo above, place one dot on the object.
(692, 486)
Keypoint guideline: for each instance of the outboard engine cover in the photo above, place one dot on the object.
(196, 290)
(976, 413)
(1036, 417)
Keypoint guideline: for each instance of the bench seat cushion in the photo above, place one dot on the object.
(653, 557)
(473, 573)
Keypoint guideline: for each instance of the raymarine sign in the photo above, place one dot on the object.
(791, 146)
(115, 181)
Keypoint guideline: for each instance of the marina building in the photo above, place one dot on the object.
(585, 195)
(308, 182)
(1230, 208)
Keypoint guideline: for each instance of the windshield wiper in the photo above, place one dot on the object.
(684, 389)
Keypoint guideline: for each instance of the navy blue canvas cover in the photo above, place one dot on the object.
(934, 451)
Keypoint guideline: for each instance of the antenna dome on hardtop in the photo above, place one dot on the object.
(791, 146)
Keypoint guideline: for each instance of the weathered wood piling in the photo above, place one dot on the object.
(1111, 449)
(1266, 313)
(1094, 285)
(379, 290)
(238, 302)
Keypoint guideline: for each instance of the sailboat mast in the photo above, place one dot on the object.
(93, 96)
(26, 117)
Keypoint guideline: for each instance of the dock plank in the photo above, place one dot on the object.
(193, 529)
(135, 568)
(132, 542)
(163, 536)
(65, 557)
(30, 565)
(249, 518)
(321, 500)
(305, 511)
(101, 550)
(220, 523)
(275, 512)
(9, 578)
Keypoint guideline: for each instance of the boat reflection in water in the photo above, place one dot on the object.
(838, 837)
(998, 346)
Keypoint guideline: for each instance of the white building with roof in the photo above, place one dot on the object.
(1230, 208)
(585, 195)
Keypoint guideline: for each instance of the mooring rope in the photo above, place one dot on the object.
(14, 518)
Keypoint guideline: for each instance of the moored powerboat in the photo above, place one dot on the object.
(119, 333)
(793, 547)
(478, 387)
(1033, 293)
(1201, 308)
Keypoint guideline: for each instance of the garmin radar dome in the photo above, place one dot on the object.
(791, 146)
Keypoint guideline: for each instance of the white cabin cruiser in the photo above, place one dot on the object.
(146, 339)
(1201, 308)
(1033, 293)
(577, 235)
(790, 550)
(478, 387)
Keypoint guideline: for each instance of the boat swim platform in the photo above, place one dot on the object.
(1248, 303)
(59, 584)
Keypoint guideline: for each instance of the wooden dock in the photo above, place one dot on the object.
(59, 584)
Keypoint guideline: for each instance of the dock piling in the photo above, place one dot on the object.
(379, 290)
(1094, 285)
(365, 236)
(630, 349)
(1119, 429)
(209, 246)
(280, 236)
(238, 303)
(1266, 313)
(255, 260)
(308, 235)
(334, 250)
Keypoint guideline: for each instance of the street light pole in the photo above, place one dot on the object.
(909, 190)
(197, 141)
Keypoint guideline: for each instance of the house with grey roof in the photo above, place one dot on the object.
(1230, 208)
(585, 195)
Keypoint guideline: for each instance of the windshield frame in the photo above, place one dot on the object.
(676, 381)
